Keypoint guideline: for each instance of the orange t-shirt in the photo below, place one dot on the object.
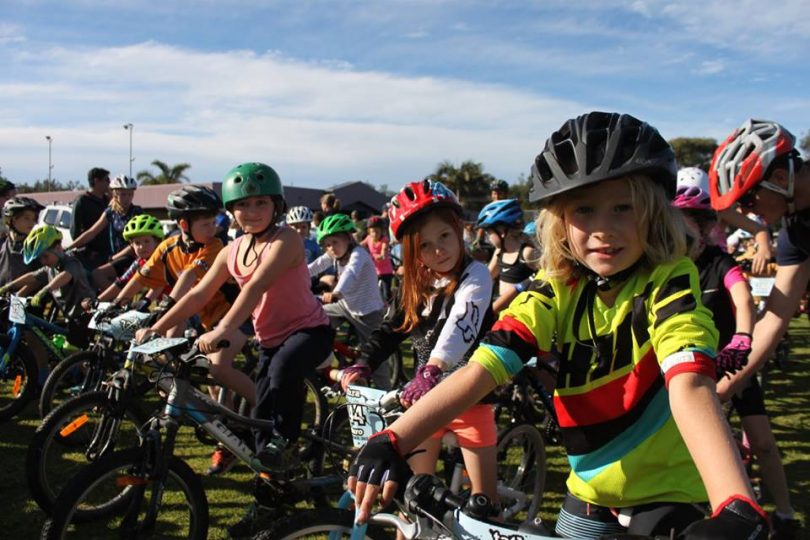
(171, 258)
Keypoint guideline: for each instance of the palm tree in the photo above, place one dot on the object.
(168, 175)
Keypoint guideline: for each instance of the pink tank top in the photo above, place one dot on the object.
(287, 306)
(383, 267)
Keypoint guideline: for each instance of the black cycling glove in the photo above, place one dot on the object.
(380, 461)
(739, 518)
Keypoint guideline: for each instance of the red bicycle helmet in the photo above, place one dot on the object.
(414, 199)
(740, 162)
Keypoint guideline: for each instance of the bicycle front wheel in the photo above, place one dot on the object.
(174, 507)
(321, 524)
(79, 373)
(18, 379)
(74, 434)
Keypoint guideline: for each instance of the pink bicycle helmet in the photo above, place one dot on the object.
(692, 190)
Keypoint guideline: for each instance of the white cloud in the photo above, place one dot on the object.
(317, 123)
(711, 67)
(11, 33)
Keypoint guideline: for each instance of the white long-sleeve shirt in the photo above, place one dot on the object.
(357, 281)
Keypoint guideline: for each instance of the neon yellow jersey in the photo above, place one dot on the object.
(611, 397)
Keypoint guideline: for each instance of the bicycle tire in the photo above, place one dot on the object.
(52, 458)
(106, 473)
(522, 466)
(321, 523)
(18, 383)
(54, 394)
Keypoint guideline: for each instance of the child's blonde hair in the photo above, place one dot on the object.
(660, 227)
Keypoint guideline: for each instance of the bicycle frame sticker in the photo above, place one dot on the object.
(159, 344)
(761, 286)
(364, 419)
(16, 310)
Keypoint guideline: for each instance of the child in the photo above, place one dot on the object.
(726, 293)
(290, 324)
(445, 308)
(180, 262)
(511, 262)
(20, 215)
(300, 219)
(355, 297)
(635, 393)
(379, 248)
(111, 223)
(143, 233)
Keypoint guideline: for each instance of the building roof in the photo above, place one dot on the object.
(352, 195)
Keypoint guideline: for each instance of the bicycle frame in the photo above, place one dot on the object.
(21, 321)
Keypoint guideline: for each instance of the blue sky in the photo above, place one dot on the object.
(381, 91)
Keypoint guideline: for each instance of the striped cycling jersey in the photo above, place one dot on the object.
(611, 396)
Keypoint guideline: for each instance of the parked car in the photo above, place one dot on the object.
(60, 216)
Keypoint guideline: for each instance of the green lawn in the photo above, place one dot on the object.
(789, 404)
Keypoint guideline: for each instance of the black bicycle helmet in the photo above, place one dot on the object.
(599, 146)
(499, 185)
(17, 204)
(192, 200)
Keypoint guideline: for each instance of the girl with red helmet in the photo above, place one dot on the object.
(444, 307)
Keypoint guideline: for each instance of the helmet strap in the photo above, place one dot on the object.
(252, 245)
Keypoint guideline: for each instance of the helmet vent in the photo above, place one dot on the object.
(409, 193)
(237, 180)
(597, 143)
(565, 155)
(259, 176)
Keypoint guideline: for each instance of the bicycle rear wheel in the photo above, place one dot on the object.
(324, 523)
(521, 472)
(179, 502)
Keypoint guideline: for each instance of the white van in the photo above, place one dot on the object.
(60, 216)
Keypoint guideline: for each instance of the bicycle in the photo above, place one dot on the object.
(19, 372)
(521, 451)
(85, 371)
(116, 485)
(435, 512)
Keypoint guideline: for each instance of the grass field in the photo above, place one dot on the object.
(789, 406)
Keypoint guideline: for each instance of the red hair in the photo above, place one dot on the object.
(417, 279)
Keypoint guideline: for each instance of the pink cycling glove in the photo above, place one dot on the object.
(427, 376)
(734, 356)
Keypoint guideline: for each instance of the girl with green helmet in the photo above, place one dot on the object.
(355, 297)
(291, 327)
(143, 232)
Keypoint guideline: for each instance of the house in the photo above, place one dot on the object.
(352, 195)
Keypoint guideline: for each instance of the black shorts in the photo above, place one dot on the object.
(751, 401)
(578, 519)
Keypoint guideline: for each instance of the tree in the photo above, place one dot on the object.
(469, 182)
(520, 189)
(54, 185)
(168, 175)
(694, 151)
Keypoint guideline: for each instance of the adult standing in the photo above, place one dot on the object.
(87, 208)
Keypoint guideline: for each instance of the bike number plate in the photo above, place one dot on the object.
(159, 344)
(16, 310)
(761, 286)
(364, 421)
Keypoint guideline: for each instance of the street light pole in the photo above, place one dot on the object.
(129, 127)
(50, 167)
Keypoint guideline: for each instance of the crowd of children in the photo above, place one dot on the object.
(624, 277)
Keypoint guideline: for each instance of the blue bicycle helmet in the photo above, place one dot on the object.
(506, 212)
(530, 229)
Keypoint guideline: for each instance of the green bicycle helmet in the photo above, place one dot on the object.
(143, 225)
(250, 180)
(39, 241)
(334, 224)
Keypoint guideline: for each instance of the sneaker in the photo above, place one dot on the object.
(221, 461)
(784, 528)
(277, 457)
(256, 518)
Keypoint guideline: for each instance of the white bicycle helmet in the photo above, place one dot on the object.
(299, 214)
(123, 182)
